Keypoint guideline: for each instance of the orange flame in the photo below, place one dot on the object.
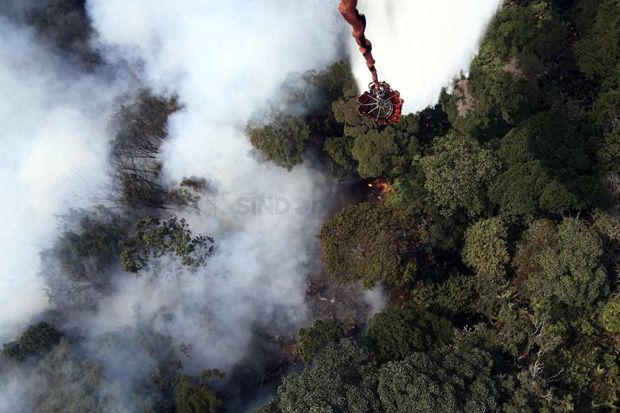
(382, 186)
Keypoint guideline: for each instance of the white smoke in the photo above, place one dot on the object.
(13, 393)
(376, 299)
(225, 59)
(54, 149)
(421, 45)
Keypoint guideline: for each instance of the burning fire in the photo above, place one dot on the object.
(380, 187)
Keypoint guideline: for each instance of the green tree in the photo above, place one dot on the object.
(344, 379)
(389, 150)
(526, 189)
(380, 151)
(196, 397)
(339, 151)
(345, 111)
(66, 382)
(314, 338)
(303, 119)
(549, 168)
(456, 296)
(607, 225)
(396, 333)
(606, 108)
(457, 172)
(314, 91)
(91, 245)
(598, 51)
(609, 314)
(38, 340)
(454, 381)
(367, 242)
(524, 51)
(554, 138)
(591, 375)
(282, 140)
(486, 249)
(563, 263)
(153, 238)
(527, 28)
(341, 380)
(608, 153)
(374, 150)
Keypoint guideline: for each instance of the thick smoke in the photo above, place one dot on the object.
(54, 150)
(420, 45)
(225, 59)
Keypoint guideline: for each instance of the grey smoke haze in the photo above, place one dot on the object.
(224, 59)
(54, 146)
(421, 45)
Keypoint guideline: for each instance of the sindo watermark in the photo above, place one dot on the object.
(270, 204)
(276, 205)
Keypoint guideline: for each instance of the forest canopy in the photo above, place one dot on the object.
(490, 222)
(496, 232)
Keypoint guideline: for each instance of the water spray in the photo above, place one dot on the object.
(380, 103)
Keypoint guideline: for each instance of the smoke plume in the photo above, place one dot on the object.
(224, 59)
(54, 149)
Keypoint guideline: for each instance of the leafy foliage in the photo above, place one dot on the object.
(65, 381)
(396, 333)
(379, 152)
(154, 238)
(303, 120)
(549, 168)
(598, 51)
(282, 140)
(197, 397)
(609, 315)
(37, 340)
(563, 263)
(486, 249)
(501, 202)
(91, 245)
(314, 338)
(339, 381)
(454, 381)
(364, 242)
(492, 224)
(457, 171)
